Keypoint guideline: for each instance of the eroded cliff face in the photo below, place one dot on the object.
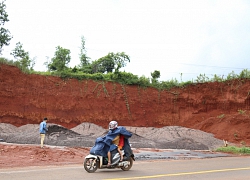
(219, 108)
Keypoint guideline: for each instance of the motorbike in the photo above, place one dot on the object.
(93, 162)
(97, 158)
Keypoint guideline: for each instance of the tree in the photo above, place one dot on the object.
(84, 60)
(60, 60)
(156, 74)
(104, 64)
(23, 57)
(84, 65)
(110, 62)
(120, 60)
(47, 62)
(5, 36)
(19, 52)
(96, 67)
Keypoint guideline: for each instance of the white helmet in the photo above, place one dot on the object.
(113, 125)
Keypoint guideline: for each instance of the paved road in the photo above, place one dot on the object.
(223, 168)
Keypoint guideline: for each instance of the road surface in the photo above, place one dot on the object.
(222, 168)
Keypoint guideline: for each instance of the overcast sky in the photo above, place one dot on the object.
(191, 37)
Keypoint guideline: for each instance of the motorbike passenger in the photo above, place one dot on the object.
(117, 142)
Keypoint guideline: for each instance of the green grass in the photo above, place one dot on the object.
(234, 150)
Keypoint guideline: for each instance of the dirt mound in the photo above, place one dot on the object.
(7, 128)
(176, 137)
(90, 129)
(84, 135)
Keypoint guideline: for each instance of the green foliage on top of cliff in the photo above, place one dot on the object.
(60, 60)
(22, 57)
(129, 78)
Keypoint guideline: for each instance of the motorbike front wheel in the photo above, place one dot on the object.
(90, 165)
(130, 160)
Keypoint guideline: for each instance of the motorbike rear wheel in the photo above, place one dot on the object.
(90, 165)
(130, 160)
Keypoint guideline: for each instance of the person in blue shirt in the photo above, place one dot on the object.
(43, 129)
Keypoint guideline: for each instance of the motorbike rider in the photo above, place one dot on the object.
(117, 142)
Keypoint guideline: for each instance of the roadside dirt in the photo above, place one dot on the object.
(20, 155)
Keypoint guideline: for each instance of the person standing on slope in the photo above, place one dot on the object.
(43, 129)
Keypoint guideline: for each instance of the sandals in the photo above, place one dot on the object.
(121, 159)
(109, 163)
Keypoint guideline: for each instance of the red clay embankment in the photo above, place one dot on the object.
(219, 108)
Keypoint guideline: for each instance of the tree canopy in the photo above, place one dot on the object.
(110, 62)
(5, 36)
(84, 59)
(60, 60)
(156, 74)
(22, 57)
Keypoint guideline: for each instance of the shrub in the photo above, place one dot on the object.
(235, 150)
(129, 78)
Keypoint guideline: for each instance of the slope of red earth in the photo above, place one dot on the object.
(219, 108)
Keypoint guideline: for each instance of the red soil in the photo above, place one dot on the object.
(219, 108)
(33, 155)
